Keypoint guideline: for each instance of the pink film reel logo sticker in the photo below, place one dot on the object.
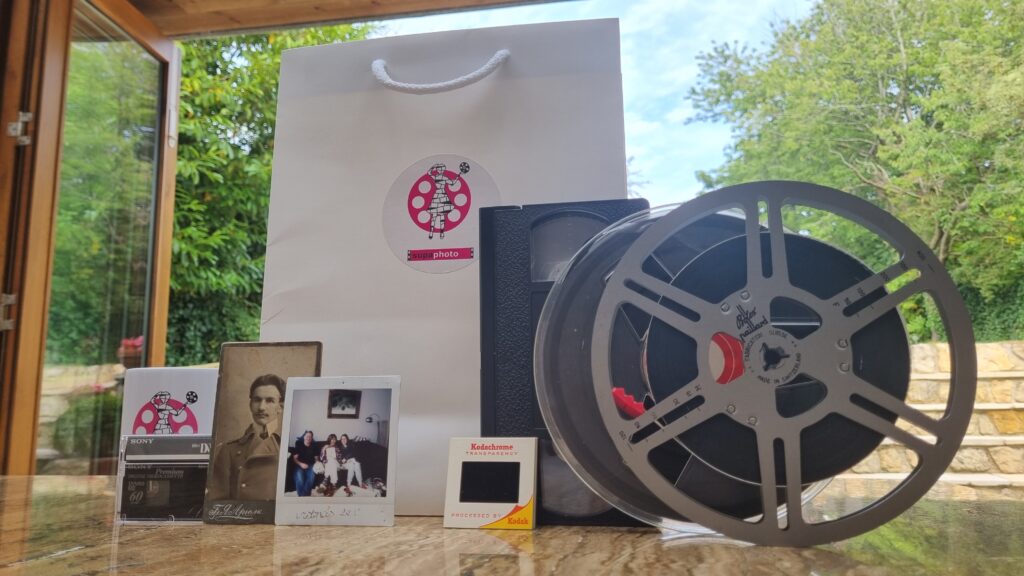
(165, 415)
(440, 199)
(430, 212)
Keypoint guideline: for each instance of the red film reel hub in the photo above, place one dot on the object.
(726, 357)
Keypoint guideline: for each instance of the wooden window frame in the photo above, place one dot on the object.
(34, 259)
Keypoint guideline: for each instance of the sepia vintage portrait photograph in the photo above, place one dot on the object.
(332, 456)
(247, 434)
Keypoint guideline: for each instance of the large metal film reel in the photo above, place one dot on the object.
(803, 403)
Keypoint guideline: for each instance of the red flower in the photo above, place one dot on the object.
(132, 343)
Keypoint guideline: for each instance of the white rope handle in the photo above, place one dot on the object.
(380, 71)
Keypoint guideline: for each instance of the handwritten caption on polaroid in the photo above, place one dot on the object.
(336, 514)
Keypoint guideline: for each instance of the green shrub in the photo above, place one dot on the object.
(90, 426)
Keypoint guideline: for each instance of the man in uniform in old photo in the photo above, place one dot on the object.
(246, 468)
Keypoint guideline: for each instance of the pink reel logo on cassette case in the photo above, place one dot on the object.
(165, 415)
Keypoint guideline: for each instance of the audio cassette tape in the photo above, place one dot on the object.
(718, 363)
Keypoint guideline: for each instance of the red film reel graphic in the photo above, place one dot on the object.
(148, 417)
(440, 199)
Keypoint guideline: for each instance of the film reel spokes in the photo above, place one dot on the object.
(745, 399)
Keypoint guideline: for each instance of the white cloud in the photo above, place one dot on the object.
(680, 113)
(637, 126)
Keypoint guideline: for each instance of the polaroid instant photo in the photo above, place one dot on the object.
(338, 467)
(168, 401)
(242, 479)
(492, 483)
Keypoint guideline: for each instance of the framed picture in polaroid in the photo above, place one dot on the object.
(343, 403)
(339, 464)
(241, 483)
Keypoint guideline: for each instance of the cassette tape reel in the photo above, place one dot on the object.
(705, 364)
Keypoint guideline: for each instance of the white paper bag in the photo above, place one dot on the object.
(373, 211)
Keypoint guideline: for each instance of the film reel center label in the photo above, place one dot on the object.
(770, 354)
(430, 214)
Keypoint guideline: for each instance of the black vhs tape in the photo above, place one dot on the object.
(523, 250)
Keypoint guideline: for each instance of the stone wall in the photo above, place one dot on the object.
(994, 443)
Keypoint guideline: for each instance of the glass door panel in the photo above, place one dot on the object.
(99, 298)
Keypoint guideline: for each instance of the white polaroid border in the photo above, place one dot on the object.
(518, 515)
(339, 510)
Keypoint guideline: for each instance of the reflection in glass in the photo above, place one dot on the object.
(99, 287)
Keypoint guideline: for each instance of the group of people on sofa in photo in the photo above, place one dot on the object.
(335, 456)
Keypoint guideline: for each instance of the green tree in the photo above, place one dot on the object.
(98, 291)
(915, 105)
(225, 146)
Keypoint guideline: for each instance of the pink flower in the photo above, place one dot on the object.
(132, 343)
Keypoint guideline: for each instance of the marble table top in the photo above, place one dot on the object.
(64, 525)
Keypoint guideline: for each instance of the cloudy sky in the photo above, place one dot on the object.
(660, 41)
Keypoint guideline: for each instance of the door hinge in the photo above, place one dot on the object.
(19, 129)
(5, 301)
